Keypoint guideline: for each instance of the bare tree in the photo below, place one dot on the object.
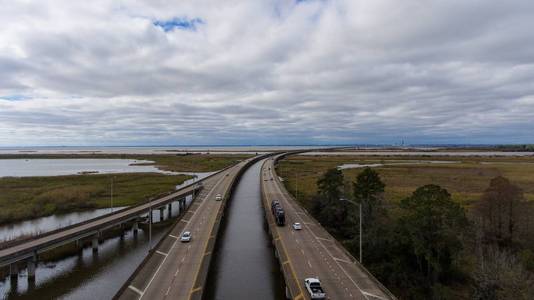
(500, 209)
(500, 275)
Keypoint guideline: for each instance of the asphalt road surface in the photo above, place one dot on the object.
(171, 271)
(313, 252)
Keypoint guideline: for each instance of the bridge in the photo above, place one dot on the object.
(27, 251)
(312, 251)
(179, 270)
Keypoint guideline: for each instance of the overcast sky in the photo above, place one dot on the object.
(266, 72)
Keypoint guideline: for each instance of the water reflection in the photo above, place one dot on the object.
(90, 275)
(57, 167)
(45, 224)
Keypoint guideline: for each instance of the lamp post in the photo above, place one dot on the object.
(360, 213)
(112, 178)
(296, 186)
(150, 224)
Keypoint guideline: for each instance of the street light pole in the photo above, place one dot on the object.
(296, 186)
(111, 193)
(150, 225)
(360, 209)
(360, 213)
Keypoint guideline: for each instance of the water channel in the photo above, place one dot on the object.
(86, 275)
(244, 265)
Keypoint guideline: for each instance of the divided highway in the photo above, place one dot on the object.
(177, 270)
(312, 251)
(41, 243)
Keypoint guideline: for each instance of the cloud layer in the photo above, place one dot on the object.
(266, 72)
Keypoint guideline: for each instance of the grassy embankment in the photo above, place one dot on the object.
(30, 197)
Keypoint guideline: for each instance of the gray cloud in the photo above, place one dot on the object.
(264, 72)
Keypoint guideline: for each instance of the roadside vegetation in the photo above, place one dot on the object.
(425, 240)
(31, 197)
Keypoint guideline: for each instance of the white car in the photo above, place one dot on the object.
(297, 226)
(186, 237)
(313, 285)
(218, 197)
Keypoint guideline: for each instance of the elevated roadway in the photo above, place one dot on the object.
(312, 251)
(177, 270)
(29, 249)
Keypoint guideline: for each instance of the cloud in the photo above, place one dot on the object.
(211, 72)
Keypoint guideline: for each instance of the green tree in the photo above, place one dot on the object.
(368, 190)
(330, 185)
(432, 223)
(327, 208)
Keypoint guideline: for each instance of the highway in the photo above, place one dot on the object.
(313, 252)
(175, 269)
(84, 229)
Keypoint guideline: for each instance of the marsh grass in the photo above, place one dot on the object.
(32, 197)
(465, 180)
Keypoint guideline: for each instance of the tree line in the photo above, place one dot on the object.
(428, 246)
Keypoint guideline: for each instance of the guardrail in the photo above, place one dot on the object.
(292, 287)
(212, 242)
(202, 274)
(351, 257)
(11, 258)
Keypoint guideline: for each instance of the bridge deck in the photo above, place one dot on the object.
(177, 270)
(46, 241)
(313, 252)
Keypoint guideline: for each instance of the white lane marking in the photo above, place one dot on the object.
(173, 236)
(309, 264)
(162, 253)
(372, 295)
(313, 234)
(343, 260)
(167, 293)
(133, 288)
(174, 244)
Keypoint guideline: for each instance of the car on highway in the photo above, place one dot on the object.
(297, 226)
(218, 197)
(313, 286)
(186, 237)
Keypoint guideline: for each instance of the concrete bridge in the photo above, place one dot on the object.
(179, 270)
(27, 251)
(312, 251)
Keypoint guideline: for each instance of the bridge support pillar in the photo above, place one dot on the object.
(95, 244)
(135, 228)
(14, 270)
(169, 209)
(32, 263)
(161, 210)
(79, 245)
